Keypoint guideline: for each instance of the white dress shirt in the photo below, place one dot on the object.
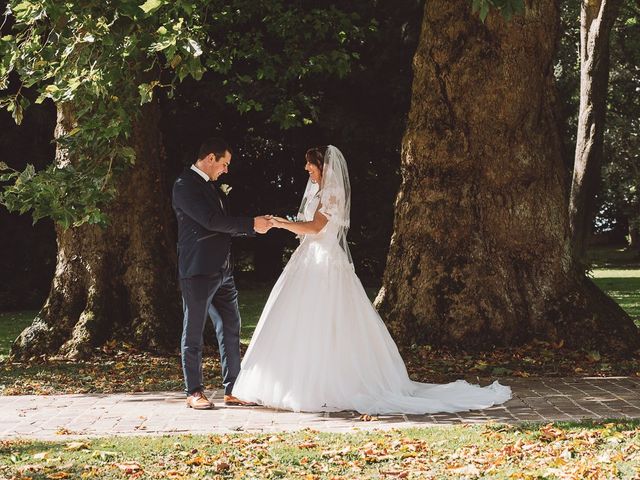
(207, 179)
(200, 172)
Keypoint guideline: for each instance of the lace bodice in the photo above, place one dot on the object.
(311, 207)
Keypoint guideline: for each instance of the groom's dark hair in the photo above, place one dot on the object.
(215, 145)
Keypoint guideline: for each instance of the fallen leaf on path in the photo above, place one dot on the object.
(367, 418)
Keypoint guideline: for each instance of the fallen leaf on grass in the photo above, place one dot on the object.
(550, 433)
(464, 470)
(75, 446)
(174, 474)
(129, 467)
(104, 454)
(308, 445)
(58, 475)
(221, 466)
(594, 356)
(198, 460)
(29, 469)
(401, 474)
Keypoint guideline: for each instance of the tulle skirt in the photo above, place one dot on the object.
(321, 346)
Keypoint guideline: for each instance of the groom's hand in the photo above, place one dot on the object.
(261, 224)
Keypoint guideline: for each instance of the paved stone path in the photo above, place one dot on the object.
(534, 400)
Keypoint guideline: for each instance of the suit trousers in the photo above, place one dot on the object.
(217, 296)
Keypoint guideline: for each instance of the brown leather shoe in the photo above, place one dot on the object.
(230, 400)
(199, 401)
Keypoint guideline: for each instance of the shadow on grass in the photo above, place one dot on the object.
(11, 325)
(625, 291)
(128, 372)
(615, 424)
(611, 257)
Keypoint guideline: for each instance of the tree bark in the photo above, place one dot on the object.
(117, 282)
(481, 254)
(596, 20)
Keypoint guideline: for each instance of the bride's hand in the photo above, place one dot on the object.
(277, 222)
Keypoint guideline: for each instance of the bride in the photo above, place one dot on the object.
(320, 345)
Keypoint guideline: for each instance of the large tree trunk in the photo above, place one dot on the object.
(480, 254)
(117, 282)
(596, 20)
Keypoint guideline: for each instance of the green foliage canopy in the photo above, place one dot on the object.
(107, 58)
(618, 197)
(620, 193)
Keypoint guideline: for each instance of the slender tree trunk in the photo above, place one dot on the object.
(596, 20)
(117, 282)
(634, 236)
(481, 254)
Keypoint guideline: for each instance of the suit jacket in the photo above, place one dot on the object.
(204, 228)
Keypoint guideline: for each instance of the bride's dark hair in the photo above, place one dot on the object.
(315, 156)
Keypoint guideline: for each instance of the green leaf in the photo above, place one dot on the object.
(22, 7)
(175, 61)
(501, 371)
(484, 11)
(146, 93)
(129, 154)
(20, 104)
(193, 48)
(594, 355)
(151, 5)
(8, 176)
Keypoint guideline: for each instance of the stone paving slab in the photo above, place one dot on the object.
(159, 413)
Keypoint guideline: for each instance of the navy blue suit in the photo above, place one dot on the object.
(206, 275)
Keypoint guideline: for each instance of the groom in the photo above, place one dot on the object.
(205, 268)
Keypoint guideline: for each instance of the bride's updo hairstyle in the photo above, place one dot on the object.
(315, 156)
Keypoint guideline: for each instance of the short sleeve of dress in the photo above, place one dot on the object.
(332, 205)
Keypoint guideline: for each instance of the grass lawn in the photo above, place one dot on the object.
(11, 324)
(251, 302)
(564, 450)
(572, 451)
(122, 369)
(623, 286)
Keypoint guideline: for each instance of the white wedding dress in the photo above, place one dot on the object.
(321, 346)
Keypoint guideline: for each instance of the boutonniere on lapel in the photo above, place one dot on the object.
(226, 189)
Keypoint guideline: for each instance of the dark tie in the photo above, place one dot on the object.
(226, 266)
(218, 194)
